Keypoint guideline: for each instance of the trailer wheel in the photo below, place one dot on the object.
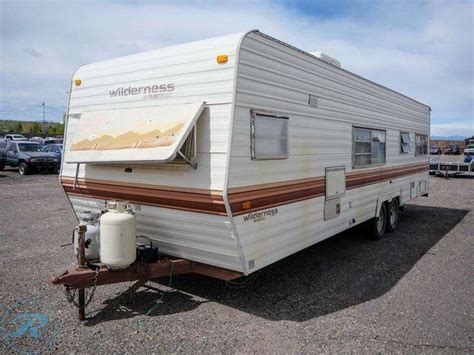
(378, 225)
(393, 215)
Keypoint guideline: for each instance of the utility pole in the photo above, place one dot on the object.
(44, 120)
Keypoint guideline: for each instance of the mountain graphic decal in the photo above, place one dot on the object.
(130, 140)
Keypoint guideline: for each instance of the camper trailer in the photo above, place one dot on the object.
(238, 151)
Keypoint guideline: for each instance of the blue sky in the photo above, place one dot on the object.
(422, 49)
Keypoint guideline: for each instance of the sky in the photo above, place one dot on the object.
(423, 49)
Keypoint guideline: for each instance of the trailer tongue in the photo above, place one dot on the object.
(86, 275)
(77, 278)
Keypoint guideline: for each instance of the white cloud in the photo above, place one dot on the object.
(424, 50)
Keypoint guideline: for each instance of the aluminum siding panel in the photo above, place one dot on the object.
(196, 236)
(197, 77)
(299, 225)
(277, 78)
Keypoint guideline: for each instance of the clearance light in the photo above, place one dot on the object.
(222, 58)
(246, 205)
(78, 82)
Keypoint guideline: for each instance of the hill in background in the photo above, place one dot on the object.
(449, 138)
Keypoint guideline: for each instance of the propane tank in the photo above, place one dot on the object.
(91, 237)
(118, 236)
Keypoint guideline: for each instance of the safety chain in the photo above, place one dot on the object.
(70, 297)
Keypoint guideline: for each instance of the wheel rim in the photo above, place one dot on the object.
(381, 220)
(22, 170)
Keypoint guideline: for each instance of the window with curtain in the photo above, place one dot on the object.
(421, 141)
(369, 147)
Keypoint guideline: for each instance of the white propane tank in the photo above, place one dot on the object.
(91, 236)
(118, 237)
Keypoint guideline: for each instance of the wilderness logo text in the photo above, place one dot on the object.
(156, 91)
(260, 215)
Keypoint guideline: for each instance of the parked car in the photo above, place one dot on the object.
(3, 160)
(15, 137)
(435, 150)
(469, 149)
(36, 139)
(56, 149)
(49, 141)
(44, 141)
(30, 156)
(452, 149)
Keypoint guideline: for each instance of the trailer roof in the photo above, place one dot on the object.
(231, 39)
(334, 66)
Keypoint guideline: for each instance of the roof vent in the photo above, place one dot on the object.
(327, 58)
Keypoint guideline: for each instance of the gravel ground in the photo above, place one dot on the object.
(410, 292)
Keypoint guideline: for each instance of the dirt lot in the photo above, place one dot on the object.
(410, 292)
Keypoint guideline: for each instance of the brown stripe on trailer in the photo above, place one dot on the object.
(208, 202)
(277, 194)
(266, 197)
(359, 179)
(258, 197)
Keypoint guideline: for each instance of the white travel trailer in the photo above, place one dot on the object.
(240, 150)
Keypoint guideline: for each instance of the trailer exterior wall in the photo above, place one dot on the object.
(274, 77)
(197, 77)
(198, 214)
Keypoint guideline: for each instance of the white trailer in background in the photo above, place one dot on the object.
(240, 150)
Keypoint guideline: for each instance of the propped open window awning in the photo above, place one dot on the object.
(133, 135)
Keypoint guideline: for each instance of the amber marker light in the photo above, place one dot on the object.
(222, 58)
(246, 205)
(77, 82)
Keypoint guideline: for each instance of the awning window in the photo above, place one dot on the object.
(133, 135)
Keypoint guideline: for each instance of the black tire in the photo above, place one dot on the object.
(393, 215)
(378, 225)
(2, 166)
(23, 169)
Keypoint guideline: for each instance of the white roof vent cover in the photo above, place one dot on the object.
(327, 58)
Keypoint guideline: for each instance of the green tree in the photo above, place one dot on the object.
(36, 128)
(19, 128)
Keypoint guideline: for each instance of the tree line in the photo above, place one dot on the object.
(31, 127)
